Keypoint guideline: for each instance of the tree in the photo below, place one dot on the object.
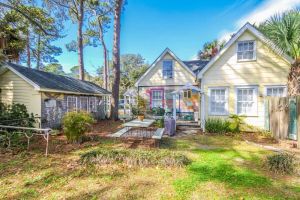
(54, 68)
(284, 31)
(76, 11)
(210, 49)
(116, 59)
(132, 67)
(98, 24)
(37, 44)
(75, 73)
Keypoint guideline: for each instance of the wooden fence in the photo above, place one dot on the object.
(282, 117)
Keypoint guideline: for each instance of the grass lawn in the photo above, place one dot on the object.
(222, 167)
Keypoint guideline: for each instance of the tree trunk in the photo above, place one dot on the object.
(105, 68)
(38, 53)
(28, 50)
(294, 79)
(80, 40)
(116, 60)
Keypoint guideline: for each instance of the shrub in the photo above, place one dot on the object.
(281, 163)
(135, 157)
(217, 125)
(75, 124)
(16, 114)
(235, 122)
(159, 123)
(158, 111)
(140, 108)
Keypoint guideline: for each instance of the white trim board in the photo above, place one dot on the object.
(167, 50)
(255, 32)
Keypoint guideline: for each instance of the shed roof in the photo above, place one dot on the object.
(45, 81)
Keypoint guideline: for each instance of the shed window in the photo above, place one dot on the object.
(71, 103)
(83, 103)
(246, 51)
(93, 104)
(167, 69)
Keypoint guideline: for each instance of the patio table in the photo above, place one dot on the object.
(142, 125)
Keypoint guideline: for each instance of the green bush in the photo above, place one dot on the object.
(281, 163)
(16, 115)
(75, 124)
(235, 122)
(158, 111)
(159, 123)
(135, 157)
(217, 125)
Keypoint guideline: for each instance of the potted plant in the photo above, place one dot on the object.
(141, 108)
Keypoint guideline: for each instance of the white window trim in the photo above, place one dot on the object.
(226, 99)
(276, 86)
(162, 68)
(162, 97)
(92, 99)
(255, 96)
(87, 103)
(254, 51)
(68, 102)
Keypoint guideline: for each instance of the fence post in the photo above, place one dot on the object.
(298, 120)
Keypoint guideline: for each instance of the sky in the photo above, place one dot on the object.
(149, 26)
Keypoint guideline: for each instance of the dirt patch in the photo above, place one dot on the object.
(285, 145)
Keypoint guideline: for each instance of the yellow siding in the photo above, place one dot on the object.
(16, 90)
(155, 77)
(268, 69)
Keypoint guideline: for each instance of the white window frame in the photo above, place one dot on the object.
(87, 103)
(276, 86)
(68, 97)
(254, 50)
(187, 94)
(172, 69)
(255, 99)
(226, 100)
(94, 107)
(162, 97)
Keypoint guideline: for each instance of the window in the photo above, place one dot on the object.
(276, 91)
(187, 94)
(246, 101)
(218, 103)
(157, 98)
(246, 51)
(167, 69)
(83, 103)
(93, 104)
(71, 103)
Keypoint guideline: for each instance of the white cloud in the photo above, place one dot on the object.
(264, 11)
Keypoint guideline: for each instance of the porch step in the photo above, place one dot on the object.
(187, 125)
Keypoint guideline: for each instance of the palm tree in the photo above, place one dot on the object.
(210, 49)
(284, 31)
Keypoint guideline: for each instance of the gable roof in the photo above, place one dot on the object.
(160, 57)
(196, 65)
(254, 31)
(45, 81)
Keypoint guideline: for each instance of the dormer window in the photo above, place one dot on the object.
(167, 69)
(246, 51)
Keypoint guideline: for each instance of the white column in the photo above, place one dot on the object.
(174, 106)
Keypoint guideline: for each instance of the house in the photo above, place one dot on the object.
(235, 81)
(49, 96)
(166, 75)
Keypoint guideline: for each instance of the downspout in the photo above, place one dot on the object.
(202, 106)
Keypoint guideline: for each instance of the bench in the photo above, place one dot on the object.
(158, 133)
(121, 132)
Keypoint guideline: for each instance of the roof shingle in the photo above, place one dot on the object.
(46, 80)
